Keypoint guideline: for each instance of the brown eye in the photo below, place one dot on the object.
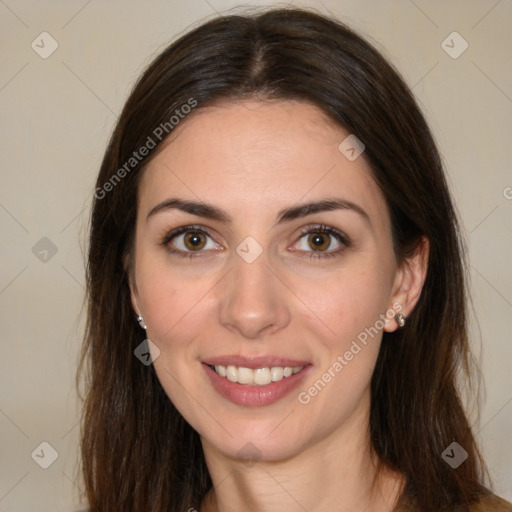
(189, 241)
(316, 240)
(194, 240)
(319, 241)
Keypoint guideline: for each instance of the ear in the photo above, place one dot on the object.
(130, 273)
(408, 283)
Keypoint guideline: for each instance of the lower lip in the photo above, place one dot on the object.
(254, 396)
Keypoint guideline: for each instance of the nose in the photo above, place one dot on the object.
(253, 300)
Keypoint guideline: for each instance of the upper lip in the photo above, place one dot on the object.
(254, 362)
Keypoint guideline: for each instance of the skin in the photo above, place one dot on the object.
(252, 159)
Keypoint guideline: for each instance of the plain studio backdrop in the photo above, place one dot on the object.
(67, 68)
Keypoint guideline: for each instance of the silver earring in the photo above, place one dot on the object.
(400, 319)
(141, 322)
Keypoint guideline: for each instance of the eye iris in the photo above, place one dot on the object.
(194, 240)
(320, 241)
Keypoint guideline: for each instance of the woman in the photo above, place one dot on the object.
(276, 286)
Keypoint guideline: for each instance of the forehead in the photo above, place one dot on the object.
(253, 158)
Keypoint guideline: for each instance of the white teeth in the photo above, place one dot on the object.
(277, 373)
(245, 375)
(221, 370)
(262, 376)
(232, 374)
(258, 376)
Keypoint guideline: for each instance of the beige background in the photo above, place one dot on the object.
(56, 117)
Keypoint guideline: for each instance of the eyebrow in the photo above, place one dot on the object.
(209, 211)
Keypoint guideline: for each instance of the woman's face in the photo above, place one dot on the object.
(248, 286)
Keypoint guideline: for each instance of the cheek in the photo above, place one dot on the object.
(171, 309)
(174, 305)
(347, 352)
(171, 298)
(346, 302)
(347, 324)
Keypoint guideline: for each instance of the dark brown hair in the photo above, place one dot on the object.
(138, 452)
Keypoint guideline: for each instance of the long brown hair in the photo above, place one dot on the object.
(138, 452)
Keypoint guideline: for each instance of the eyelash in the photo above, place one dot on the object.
(343, 239)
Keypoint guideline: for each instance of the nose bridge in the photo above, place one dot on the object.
(253, 299)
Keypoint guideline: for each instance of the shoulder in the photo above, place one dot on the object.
(492, 503)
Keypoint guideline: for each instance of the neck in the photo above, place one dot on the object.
(338, 472)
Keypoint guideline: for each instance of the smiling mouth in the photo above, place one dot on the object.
(257, 376)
